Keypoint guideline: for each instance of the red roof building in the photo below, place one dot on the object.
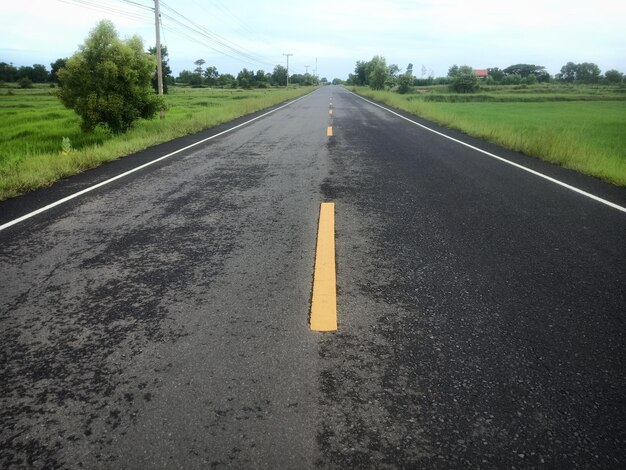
(481, 73)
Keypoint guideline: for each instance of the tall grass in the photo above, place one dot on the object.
(586, 135)
(33, 124)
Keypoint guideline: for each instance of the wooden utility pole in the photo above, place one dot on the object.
(157, 21)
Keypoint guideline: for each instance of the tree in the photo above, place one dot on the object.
(377, 73)
(465, 80)
(453, 71)
(185, 76)
(588, 72)
(25, 82)
(55, 67)
(525, 70)
(165, 69)
(568, 72)
(613, 76)
(279, 76)
(360, 73)
(405, 81)
(496, 74)
(226, 80)
(107, 82)
(259, 79)
(199, 63)
(8, 72)
(40, 74)
(245, 78)
(211, 75)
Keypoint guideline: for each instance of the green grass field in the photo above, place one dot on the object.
(578, 127)
(33, 124)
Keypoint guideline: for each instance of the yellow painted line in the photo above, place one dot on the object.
(324, 302)
(329, 131)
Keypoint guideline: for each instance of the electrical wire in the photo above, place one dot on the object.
(217, 40)
(184, 27)
(111, 9)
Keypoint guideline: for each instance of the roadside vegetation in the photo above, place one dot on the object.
(41, 141)
(109, 90)
(576, 119)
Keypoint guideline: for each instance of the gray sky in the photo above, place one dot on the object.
(431, 34)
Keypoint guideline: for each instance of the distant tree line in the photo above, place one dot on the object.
(209, 76)
(463, 79)
(27, 75)
(200, 76)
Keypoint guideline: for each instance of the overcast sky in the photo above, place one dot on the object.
(431, 34)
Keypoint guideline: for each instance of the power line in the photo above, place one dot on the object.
(181, 25)
(214, 38)
(111, 9)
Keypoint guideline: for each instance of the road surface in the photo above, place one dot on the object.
(162, 320)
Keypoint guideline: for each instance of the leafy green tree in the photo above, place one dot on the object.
(165, 69)
(8, 72)
(613, 76)
(588, 72)
(496, 74)
(453, 71)
(406, 80)
(465, 80)
(25, 82)
(211, 75)
(185, 76)
(40, 74)
(245, 78)
(360, 73)
(226, 80)
(568, 72)
(260, 80)
(279, 76)
(392, 75)
(377, 73)
(55, 67)
(107, 82)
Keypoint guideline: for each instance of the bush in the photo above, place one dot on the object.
(25, 83)
(108, 82)
(404, 83)
(465, 81)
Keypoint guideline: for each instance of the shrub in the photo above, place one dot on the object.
(108, 81)
(25, 82)
(465, 81)
(404, 83)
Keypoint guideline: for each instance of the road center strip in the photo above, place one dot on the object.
(324, 302)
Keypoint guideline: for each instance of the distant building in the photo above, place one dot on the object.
(481, 73)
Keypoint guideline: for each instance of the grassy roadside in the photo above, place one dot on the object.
(33, 124)
(579, 128)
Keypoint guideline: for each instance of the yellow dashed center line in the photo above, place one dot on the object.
(329, 131)
(324, 302)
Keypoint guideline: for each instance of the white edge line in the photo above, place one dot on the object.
(521, 167)
(122, 175)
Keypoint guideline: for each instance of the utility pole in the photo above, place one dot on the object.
(288, 55)
(157, 20)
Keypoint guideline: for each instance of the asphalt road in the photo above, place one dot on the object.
(161, 321)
